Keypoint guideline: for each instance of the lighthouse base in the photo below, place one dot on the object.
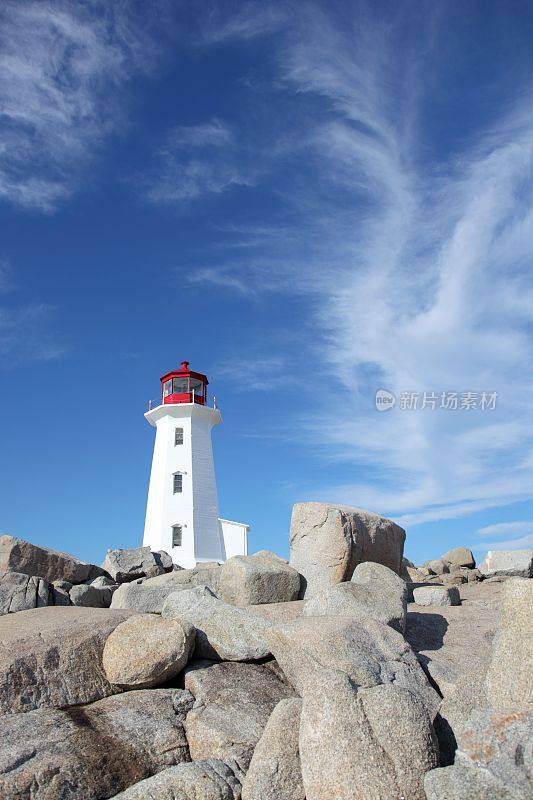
(235, 543)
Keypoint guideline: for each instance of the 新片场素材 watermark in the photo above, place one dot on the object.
(436, 400)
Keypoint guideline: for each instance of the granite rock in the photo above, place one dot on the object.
(223, 631)
(146, 650)
(52, 657)
(437, 596)
(515, 563)
(91, 752)
(135, 562)
(91, 596)
(510, 674)
(149, 595)
(262, 577)
(17, 555)
(494, 760)
(367, 651)
(196, 780)
(349, 749)
(233, 703)
(20, 592)
(374, 591)
(275, 772)
(459, 557)
(328, 541)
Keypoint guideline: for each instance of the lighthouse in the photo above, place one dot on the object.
(182, 509)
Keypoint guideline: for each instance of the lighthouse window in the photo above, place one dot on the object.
(178, 436)
(197, 387)
(181, 385)
(176, 536)
(178, 482)
(167, 388)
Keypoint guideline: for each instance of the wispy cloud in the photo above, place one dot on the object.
(505, 529)
(213, 133)
(26, 335)
(252, 19)
(6, 282)
(257, 373)
(195, 161)
(222, 278)
(63, 67)
(422, 268)
(508, 532)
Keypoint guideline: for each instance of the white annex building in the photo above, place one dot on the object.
(182, 509)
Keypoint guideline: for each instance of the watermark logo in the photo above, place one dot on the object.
(384, 400)
(431, 401)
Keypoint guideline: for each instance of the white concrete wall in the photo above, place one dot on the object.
(208, 539)
(235, 538)
(196, 507)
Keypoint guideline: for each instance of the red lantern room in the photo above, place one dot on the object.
(184, 386)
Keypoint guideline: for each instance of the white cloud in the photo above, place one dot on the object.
(179, 182)
(508, 531)
(195, 161)
(505, 528)
(252, 19)
(421, 275)
(25, 330)
(522, 543)
(62, 71)
(255, 373)
(214, 133)
(221, 278)
(25, 335)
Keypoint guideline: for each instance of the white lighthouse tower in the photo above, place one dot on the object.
(182, 509)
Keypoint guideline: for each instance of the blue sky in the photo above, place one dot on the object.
(308, 201)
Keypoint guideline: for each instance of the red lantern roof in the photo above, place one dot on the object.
(184, 386)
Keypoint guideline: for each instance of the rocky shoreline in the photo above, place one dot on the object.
(347, 673)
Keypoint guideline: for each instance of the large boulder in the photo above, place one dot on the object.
(374, 591)
(104, 582)
(509, 676)
(262, 577)
(93, 751)
(516, 563)
(17, 555)
(135, 562)
(91, 596)
(367, 651)
(60, 593)
(494, 760)
(233, 703)
(437, 566)
(164, 560)
(405, 566)
(53, 657)
(437, 596)
(145, 651)
(274, 772)
(411, 574)
(196, 780)
(222, 631)
(459, 557)
(149, 595)
(461, 575)
(364, 743)
(468, 694)
(328, 541)
(20, 592)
